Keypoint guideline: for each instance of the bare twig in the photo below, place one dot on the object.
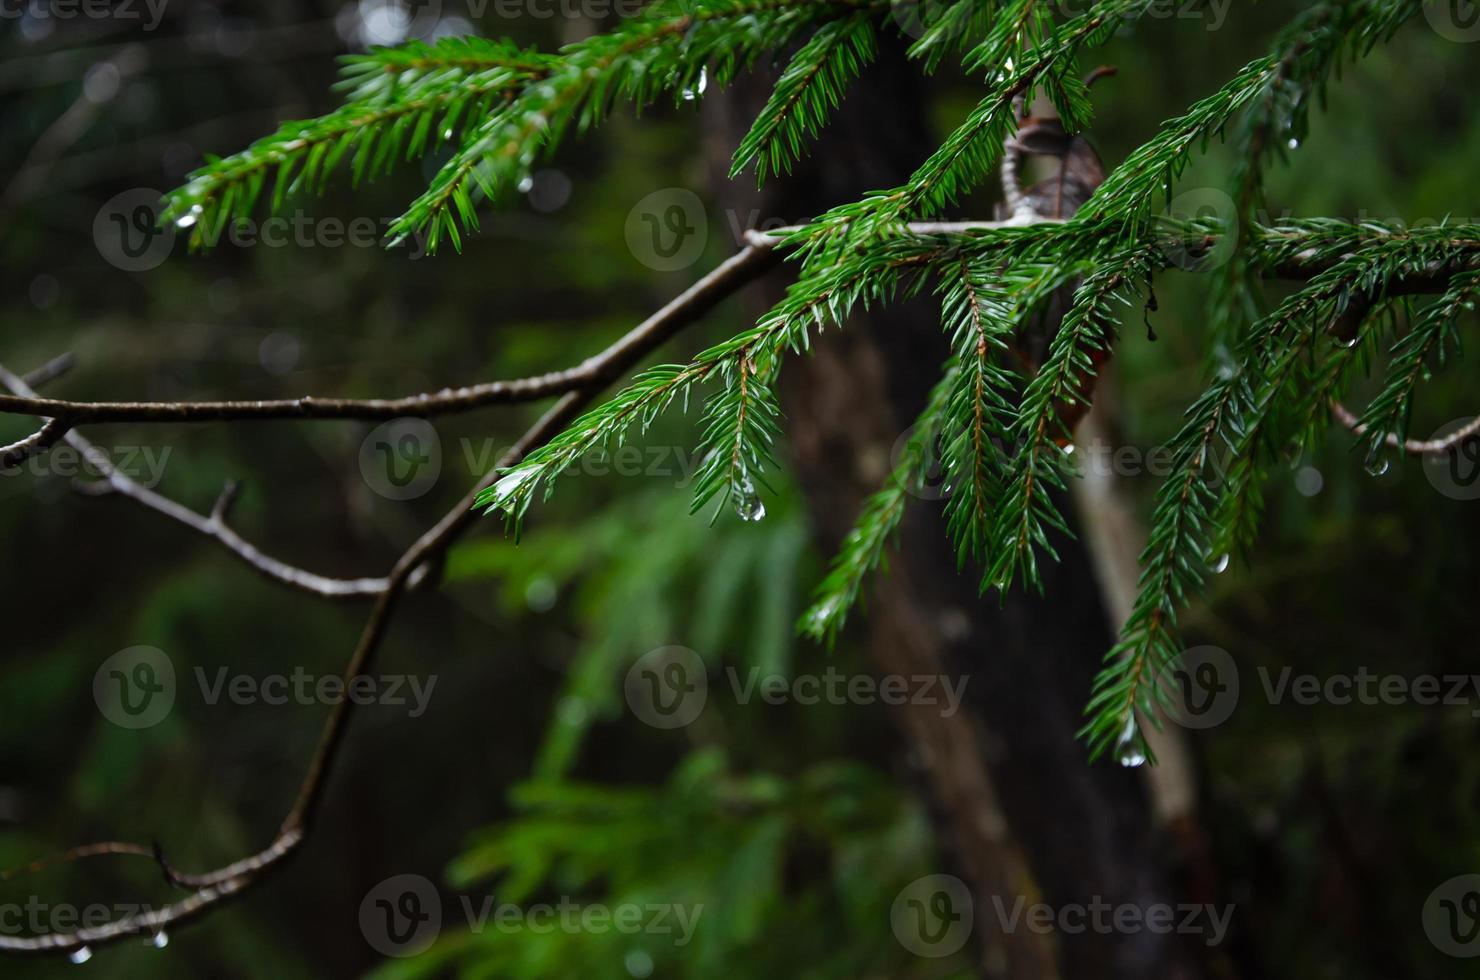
(50, 371)
(215, 527)
(1412, 447)
(50, 433)
(595, 372)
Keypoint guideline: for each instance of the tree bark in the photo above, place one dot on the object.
(1021, 815)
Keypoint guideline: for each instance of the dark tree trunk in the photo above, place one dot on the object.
(1021, 814)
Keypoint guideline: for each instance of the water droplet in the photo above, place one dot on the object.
(525, 183)
(1293, 143)
(1377, 462)
(80, 955)
(508, 488)
(697, 89)
(1346, 342)
(751, 508)
(747, 502)
(161, 939)
(1130, 749)
(1069, 449)
(1219, 565)
(188, 219)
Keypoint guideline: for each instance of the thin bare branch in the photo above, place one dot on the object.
(215, 527)
(595, 372)
(1412, 447)
(50, 433)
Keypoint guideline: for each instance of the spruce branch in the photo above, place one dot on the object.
(1432, 339)
(741, 428)
(979, 311)
(811, 87)
(402, 102)
(1087, 332)
(1288, 395)
(675, 46)
(732, 460)
(1255, 403)
(1315, 45)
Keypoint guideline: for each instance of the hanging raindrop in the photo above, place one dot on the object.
(1219, 565)
(697, 89)
(161, 939)
(80, 955)
(1377, 462)
(1130, 749)
(1293, 143)
(189, 218)
(747, 502)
